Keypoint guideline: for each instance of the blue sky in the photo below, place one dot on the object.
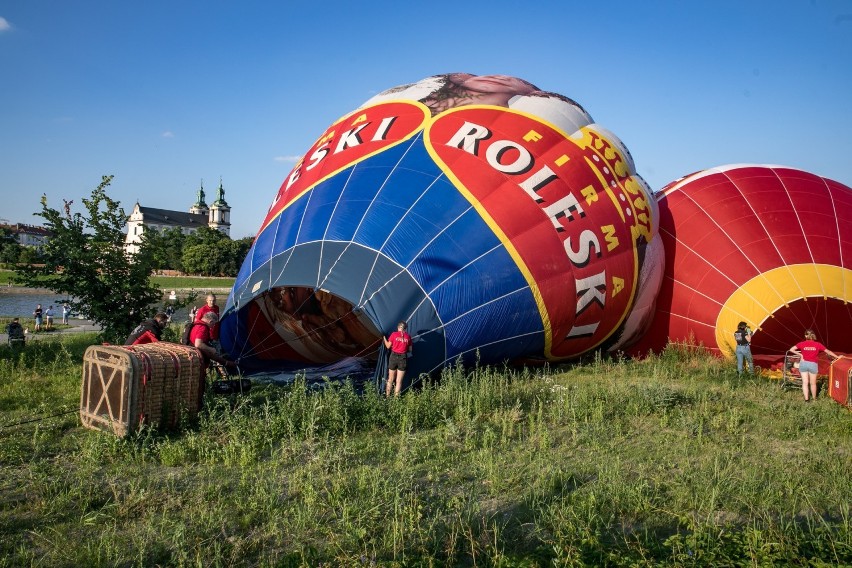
(165, 94)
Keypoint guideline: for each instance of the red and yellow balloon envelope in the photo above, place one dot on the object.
(496, 219)
(768, 245)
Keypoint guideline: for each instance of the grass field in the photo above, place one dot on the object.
(672, 461)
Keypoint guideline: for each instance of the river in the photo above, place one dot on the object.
(20, 302)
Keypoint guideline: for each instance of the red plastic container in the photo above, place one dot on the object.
(839, 379)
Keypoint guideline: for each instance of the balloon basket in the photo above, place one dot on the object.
(126, 387)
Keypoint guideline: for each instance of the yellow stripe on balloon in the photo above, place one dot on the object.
(755, 301)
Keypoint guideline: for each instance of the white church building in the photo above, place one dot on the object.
(216, 216)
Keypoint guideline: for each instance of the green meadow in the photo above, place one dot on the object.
(670, 461)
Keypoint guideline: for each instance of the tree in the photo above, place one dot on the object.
(10, 249)
(85, 258)
(206, 236)
(239, 251)
(211, 253)
(205, 259)
(166, 248)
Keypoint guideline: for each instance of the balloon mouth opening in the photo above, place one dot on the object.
(829, 318)
(318, 326)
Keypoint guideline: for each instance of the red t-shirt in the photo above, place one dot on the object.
(810, 350)
(214, 334)
(400, 342)
(200, 331)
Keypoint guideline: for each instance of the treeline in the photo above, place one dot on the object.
(206, 252)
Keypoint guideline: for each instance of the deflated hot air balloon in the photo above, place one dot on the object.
(768, 245)
(494, 218)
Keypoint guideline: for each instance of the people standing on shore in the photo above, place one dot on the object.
(48, 318)
(38, 314)
(65, 311)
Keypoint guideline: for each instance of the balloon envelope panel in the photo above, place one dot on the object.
(767, 245)
(495, 218)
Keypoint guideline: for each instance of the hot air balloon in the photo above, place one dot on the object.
(768, 245)
(494, 218)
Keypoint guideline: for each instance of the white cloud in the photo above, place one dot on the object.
(168, 134)
(288, 159)
(4, 25)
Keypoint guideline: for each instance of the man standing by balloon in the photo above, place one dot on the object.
(399, 343)
(210, 306)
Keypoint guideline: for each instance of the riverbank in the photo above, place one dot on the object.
(74, 326)
(184, 292)
(24, 290)
(186, 284)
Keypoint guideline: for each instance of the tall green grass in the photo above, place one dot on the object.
(669, 461)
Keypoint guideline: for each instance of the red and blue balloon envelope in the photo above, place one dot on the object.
(767, 245)
(494, 218)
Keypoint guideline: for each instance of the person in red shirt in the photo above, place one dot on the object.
(210, 306)
(200, 338)
(399, 344)
(809, 349)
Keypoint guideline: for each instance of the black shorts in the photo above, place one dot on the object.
(398, 361)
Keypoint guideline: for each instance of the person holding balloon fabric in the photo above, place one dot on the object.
(399, 342)
(809, 350)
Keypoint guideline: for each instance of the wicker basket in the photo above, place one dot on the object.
(125, 387)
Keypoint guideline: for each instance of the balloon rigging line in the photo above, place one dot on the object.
(716, 268)
(426, 296)
(839, 239)
(846, 292)
(460, 270)
(717, 302)
(721, 229)
(415, 256)
(320, 283)
(364, 216)
(306, 334)
(361, 220)
(801, 228)
(797, 217)
(361, 301)
(766, 232)
(836, 226)
(302, 221)
(479, 307)
(757, 216)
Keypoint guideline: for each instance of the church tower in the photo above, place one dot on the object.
(220, 212)
(200, 207)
